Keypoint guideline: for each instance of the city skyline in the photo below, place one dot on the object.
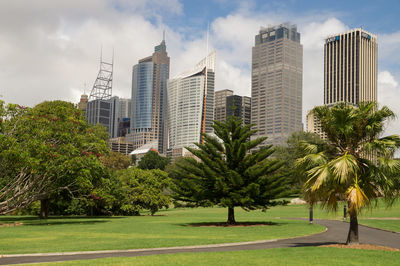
(60, 50)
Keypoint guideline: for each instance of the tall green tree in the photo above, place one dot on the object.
(358, 164)
(58, 151)
(144, 189)
(230, 171)
(152, 160)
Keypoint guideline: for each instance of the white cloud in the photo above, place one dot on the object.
(312, 38)
(44, 57)
(49, 49)
(389, 47)
(389, 94)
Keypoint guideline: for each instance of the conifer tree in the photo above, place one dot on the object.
(229, 171)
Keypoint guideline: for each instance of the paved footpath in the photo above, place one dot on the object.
(336, 233)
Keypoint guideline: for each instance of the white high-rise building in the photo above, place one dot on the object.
(190, 106)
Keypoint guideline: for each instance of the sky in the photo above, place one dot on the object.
(50, 49)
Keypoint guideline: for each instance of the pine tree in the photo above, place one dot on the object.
(229, 171)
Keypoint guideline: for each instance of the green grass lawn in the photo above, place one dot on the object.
(170, 228)
(277, 256)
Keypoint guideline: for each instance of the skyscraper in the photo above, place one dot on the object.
(239, 106)
(191, 106)
(220, 104)
(101, 112)
(149, 98)
(276, 82)
(350, 67)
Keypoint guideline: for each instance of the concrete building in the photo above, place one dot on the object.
(191, 106)
(111, 113)
(314, 125)
(149, 98)
(120, 145)
(220, 104)
(101, 112)
(239, 106)
(83, 102)
(122, 116)
(350, 67)
(276, 83)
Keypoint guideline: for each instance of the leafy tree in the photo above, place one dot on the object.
(358, 164)
(116, 161)
(144, 189)
(133, 159)
(225, 172)
(58, 151)
(292, 151)
(152, 160)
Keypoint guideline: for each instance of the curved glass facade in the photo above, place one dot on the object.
(142, 93)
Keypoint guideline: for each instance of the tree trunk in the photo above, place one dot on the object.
(352, 237)
(44, 208)
(231, 215)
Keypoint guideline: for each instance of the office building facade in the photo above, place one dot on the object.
(239, 106)
(276, 83)
(191, 106)
(220, 104)
(149, 99)
(350, 67)
(102, 112)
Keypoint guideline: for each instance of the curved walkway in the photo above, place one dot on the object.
(336, 233)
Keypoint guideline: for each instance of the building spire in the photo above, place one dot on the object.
(208, 33)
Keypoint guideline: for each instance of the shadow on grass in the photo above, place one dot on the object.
(315, 244)
(55, 220)
(237, 224)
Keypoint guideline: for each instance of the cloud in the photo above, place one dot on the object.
(50, 49)
(388, 94)
(313, 35)
(389, 48)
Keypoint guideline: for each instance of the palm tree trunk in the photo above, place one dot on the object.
(352, 237)
(231, 215)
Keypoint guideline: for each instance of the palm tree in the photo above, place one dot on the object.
(357, 166)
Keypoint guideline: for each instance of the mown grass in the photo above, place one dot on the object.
(277, 256)
(170, 228)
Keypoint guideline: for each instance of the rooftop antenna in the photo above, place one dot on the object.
(163, 35)
(112, 61)
(102, 87)
(84, 88)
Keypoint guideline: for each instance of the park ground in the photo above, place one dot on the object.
(187, 227)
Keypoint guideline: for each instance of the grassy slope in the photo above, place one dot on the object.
(169, 229)
(278, 256)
